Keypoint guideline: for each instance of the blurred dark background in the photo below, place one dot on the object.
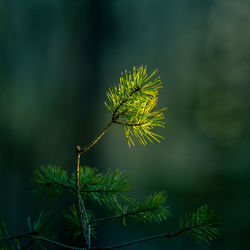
(57, 59)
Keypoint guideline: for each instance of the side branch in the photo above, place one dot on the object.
(115, 217)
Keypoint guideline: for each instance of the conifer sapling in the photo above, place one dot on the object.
(133, 105)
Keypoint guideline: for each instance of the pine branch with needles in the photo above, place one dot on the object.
(133, 105)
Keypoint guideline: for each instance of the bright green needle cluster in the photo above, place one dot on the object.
(200, 224)
(133, 102)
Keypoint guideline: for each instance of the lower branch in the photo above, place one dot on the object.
(33, 237)
(154, 237)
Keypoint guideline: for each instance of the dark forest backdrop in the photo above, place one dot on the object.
(57, 59)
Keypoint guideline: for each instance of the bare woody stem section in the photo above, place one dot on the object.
(85, 149)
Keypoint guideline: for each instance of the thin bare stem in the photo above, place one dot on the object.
(85, 149)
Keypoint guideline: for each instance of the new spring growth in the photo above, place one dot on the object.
(133, 104)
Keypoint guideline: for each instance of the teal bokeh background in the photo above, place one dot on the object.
(57, 59)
